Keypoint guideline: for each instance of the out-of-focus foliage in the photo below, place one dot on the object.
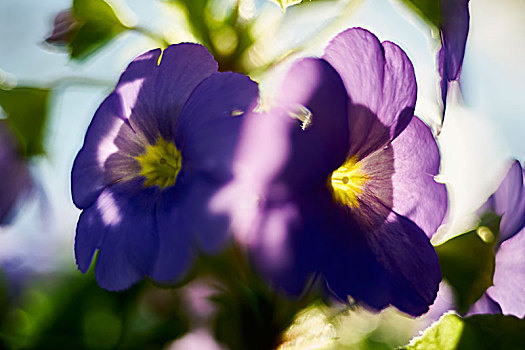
(467, 261)
(250, 315)
(26, 112)
(428, 10)
(490, 332)
(224, 33)
(75, 313)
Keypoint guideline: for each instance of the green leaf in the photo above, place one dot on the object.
(467, 261)
(98, 25)
(480, 332)
(26, 111)
(428, 10)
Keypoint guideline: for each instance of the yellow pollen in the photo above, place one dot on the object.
(160, 163)
(347, 182)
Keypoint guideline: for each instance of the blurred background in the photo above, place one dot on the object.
(46, 302)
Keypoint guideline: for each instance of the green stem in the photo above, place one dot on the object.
(154, 36)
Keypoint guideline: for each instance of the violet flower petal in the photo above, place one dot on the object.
(380, 81)
(454, 25)
(15, 180)
(406, 253)
(207, 229)
(123, 258)
(207, 130)
(509, 276)
(181, 69)
(509, 202)
(173, 256)
(484, 305)
(416, 195)
(318, 134)
(293, 244)
(88, 177)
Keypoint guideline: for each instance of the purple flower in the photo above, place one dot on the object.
(507, 294)
(15, 181)
(338, 179)
(157, 148)
(454, 26)
(65, 27)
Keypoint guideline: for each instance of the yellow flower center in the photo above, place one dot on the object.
(348, 182)
(160, 163)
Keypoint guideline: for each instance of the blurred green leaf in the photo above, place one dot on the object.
(480, 332)
(428, 10)
(72, 312)
(98, 25)
(225, 35)
(467, 261)
(26, 111)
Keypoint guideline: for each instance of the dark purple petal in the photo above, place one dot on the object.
(15, 180)
(416, 195)
(509, 202)
(91, 231)
(278, 152)
(174, 250)
(454, 25)
(123, 230)
(138, 93)
(87, 177)
(509, 276)
(484, 305)
(153, 94)
(319, 139)
(207, 228)
(207, 131)
(181, 69)
(380, 81)
(405, 252)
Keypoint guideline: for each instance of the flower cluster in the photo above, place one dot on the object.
(336, 179)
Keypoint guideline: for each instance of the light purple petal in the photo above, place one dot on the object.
(484, 305)
(509, 276)
(509, 202)
(207, 131)
(15, 180)
(444, 302)
(380, 81)
(400, 177)
(416, 195)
